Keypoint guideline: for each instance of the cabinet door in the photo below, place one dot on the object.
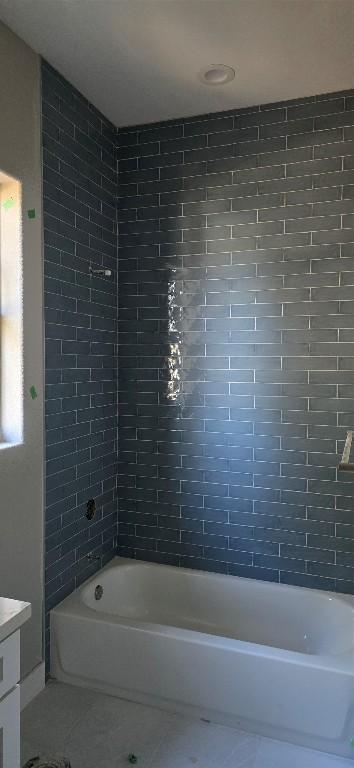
(9, 663)
(10, 730)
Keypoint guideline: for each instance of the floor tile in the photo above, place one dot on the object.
(98, 731)
(277, 754)
(192, 742)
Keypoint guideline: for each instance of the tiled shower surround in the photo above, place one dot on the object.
(79, 188)
(236, 341)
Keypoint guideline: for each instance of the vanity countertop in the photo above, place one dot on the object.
(13, 613)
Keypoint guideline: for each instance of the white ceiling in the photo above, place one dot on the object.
(138, 60)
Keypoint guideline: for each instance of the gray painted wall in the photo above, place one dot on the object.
(21, 467)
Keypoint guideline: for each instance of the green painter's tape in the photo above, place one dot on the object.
(33, 392)
(31, 213)
(352, 742)
(9, 203)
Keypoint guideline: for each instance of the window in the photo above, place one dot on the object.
(11, 353)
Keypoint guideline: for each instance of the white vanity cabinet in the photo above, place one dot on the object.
(13, 614)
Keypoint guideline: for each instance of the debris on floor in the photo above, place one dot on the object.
(132, 758)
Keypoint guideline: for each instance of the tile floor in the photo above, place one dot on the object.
(98, 731)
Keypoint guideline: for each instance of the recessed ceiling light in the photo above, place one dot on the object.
(216, 74)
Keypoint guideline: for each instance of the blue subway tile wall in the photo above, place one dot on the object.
(80, 230)
(236, 341)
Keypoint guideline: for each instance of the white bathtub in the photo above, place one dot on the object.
(268, 658)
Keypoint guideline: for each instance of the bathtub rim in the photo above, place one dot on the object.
(74, 606)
